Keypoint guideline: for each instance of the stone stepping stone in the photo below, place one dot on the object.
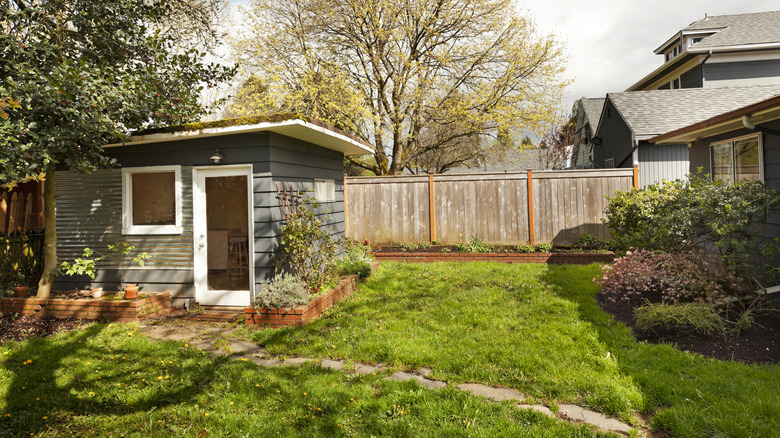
(405, 377)
(243, 347)
(538, 408)
(597, 419)
(336, 365)
(203, 344)
(166, 333)
(495, 394)
(367, 369)
(265, 362)
(294, 361)
(424, 372)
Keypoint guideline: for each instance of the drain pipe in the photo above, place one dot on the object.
(701, 67)
(753, 127)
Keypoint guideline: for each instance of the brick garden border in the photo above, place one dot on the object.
(531, 257)
(149, 304)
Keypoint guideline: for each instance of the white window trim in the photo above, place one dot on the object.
(731, 142)
(127, 205)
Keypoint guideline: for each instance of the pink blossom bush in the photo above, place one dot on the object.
(669, 277)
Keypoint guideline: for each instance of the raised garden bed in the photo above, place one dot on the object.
(298, 316)
(111, 307)
(503, 254)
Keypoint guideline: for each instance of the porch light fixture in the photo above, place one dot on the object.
(217, 157)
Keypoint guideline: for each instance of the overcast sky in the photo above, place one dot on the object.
(610, 43)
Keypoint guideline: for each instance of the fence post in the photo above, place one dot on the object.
(636, 176)
(531, 238)
(346, 207)
(430, 207)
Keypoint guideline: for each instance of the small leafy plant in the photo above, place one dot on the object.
(356, 261)
(544, 247)
(699, 318)
(285, 290)
(87, 263)
(525, 248)
(123, 250)
(588, 240)
(475, 244)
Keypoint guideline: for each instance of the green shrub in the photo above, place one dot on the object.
(590, 241)
(307, 248)
(525, 248)
(284, 290)
(699, 318)
(356, 261)
(696, 212)
(544, 247)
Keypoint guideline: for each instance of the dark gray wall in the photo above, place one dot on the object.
(700, 158)
(691, 78)
(616, 138)
(89, 206)
(726, 71)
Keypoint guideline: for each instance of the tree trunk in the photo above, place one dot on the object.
(50, 236)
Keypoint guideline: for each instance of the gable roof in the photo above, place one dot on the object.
(655, 112)
(760, 112)
(593, 108)
(759, 28)
(291, 125)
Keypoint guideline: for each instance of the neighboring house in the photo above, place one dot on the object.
(514, 160)
(630, 119)
(719, 51)
(740, 144)
(588, 115)
(201, 200)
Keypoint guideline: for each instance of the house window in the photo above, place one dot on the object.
(737, 160)
(325, 190)
(151, 200)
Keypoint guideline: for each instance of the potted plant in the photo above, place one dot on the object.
(123, 250)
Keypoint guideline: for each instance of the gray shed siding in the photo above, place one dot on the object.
(742, 73)
(662, 162)
(700, 158)
(275, 159)
(616, 139)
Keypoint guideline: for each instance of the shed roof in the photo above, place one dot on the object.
(655, 112)
(291, 125)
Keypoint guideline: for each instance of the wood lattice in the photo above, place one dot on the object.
(288, 199)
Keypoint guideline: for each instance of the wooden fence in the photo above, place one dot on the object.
(500, 208)
(21, 228)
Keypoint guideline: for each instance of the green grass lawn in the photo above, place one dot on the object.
(107, 380)
(536, 328)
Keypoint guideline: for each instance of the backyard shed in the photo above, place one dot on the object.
(202, 201)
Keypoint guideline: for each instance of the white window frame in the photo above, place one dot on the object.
(326, 187)
(127, 204)
(731, 142)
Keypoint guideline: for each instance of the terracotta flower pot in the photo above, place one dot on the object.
(97, 292)
(20, 291)
(131, 292)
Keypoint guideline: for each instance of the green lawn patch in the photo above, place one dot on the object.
(108, 380)
(538, 329)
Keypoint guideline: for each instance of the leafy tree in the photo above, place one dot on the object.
(84, 73)
(556, 145)
(416, 78)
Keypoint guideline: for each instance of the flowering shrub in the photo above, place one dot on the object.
(687, 276)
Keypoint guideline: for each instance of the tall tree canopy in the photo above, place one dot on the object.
(425, 81)
(83, 73)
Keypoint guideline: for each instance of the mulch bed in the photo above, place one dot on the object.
(21, 327)
(758, 344)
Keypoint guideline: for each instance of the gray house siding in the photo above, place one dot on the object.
(700, 158)
(692, 78)
(763, 72)
(662, 162)
(89, 206)
(616, 139)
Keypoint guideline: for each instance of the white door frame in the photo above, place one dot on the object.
(200, 241)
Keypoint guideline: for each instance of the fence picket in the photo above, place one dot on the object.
(3, 214)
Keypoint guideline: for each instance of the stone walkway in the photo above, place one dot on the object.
(239, 348)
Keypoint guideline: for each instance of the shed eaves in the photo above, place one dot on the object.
(593, 108)
(654, 112)
(737, 30)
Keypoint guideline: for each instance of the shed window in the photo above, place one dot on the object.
(151, 200)
(737, 160)
(325, 190)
